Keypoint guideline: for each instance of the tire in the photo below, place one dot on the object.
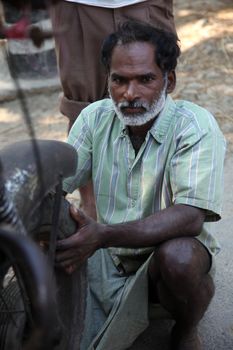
(58, 318)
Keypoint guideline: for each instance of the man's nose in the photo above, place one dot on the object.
(131, 91)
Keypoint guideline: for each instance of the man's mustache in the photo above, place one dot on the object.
(133, 104)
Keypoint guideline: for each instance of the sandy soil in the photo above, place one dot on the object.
(205, 71)
(205, 74)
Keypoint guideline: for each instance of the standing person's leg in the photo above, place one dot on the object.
(78, 52)
(158, 13)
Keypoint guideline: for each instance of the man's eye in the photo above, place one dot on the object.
(146, 79)
(117, 80)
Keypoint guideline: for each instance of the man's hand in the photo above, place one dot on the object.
(73, 251)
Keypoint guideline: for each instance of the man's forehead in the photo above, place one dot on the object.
(134, 46)
(138, 56)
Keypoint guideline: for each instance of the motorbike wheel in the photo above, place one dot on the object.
(13, 324)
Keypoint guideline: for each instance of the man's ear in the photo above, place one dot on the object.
(171, 81)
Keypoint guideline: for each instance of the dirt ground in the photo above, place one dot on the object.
(205, 74)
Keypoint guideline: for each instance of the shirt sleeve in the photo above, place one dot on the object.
(197, 169)
(80, 137)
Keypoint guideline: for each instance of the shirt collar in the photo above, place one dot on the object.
(160, 127)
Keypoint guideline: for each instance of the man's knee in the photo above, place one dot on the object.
(183, 262)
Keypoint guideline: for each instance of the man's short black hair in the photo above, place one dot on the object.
(166, 45)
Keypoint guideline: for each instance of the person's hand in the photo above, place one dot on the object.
(73, 251)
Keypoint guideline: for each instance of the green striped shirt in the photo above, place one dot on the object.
(180, 162)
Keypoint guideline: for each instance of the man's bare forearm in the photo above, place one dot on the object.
(176, 221)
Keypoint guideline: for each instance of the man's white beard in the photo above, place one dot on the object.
(137, 119)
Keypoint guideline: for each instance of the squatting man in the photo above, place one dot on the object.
(156, 165)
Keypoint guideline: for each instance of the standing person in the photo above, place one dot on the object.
(86, 23)
(157, 168)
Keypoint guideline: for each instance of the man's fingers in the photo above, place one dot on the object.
(69, 268)
(67, 243)
(71, 256)
(69, 265)
(68, 262)
(67, 258)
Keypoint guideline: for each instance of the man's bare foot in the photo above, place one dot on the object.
(181, 340)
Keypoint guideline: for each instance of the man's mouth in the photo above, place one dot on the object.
(132, 110)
